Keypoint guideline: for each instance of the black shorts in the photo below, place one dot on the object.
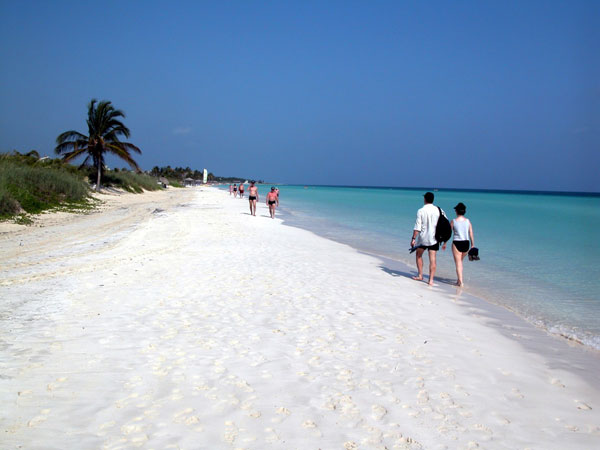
(252, 197)
(435, 247)
(462, 246)
(271, 202)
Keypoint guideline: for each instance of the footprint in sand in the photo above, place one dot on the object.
(188, 418)
(310, 425)
(557, 382)
(104, 426)
(482, 428)
(271, 435)
(231, 432)
(132, 428)
(42, 417)
(244, 386)
(56, 383)
(517, 393)
(282, 415)
(423, 396)
(283, 411)
(378, 412)
(314, 361)
(176, 394)
(247, 404)
(375, 438)
(582, 405)
(461, 389)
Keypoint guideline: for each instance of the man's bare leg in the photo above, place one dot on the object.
(419, 256)
(432, 266)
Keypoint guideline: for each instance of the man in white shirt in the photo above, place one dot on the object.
(424, 236)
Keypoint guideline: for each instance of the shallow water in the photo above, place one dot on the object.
(539, 257)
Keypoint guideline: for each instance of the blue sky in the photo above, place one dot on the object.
(465, 94)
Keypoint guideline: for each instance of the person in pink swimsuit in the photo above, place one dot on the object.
(272, 202)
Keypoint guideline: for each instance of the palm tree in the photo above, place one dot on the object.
(104, 129)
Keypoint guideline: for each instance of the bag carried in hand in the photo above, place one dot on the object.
(443, 231)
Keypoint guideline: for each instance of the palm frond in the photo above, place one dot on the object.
(70, 136)
(66, 146)
(130, 147)
(121, 152)
(74, 154)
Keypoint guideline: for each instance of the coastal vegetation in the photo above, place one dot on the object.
(131, 181)
(104, 132)
(30, 184)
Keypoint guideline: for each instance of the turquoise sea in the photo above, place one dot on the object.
(539, 253)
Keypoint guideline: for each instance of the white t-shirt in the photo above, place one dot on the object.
(427, 219)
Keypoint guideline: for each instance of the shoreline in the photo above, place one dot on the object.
(487, 285)
(543, 339)
(183, 320)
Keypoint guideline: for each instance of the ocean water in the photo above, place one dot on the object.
(539, 253)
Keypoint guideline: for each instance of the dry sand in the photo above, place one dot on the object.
(177, 320)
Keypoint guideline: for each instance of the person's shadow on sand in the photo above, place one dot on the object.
(396, 273)
(399, 273)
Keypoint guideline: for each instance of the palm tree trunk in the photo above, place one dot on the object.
(99, 173)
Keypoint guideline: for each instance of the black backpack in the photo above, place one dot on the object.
(443, 231)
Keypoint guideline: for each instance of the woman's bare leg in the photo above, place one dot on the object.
(458, 258)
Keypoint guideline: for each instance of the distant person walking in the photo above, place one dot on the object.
(423, 237)
(235, 190)
(230, 189)
(463, 236)
(272, 201)
(241, 190)
(277, 192)
(253, 197)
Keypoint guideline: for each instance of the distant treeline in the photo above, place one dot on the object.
(233, 180)
(180, 173)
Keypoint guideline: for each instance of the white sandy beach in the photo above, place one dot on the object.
(175, 320)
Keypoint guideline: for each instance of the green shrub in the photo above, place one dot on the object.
(8, 205)
(129, 181)
(37, 188)
(174, 183)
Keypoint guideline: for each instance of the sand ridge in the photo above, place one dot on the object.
(195, 325)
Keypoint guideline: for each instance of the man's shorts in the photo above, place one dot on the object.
(435, 247)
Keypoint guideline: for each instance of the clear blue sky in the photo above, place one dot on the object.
(472, 94)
